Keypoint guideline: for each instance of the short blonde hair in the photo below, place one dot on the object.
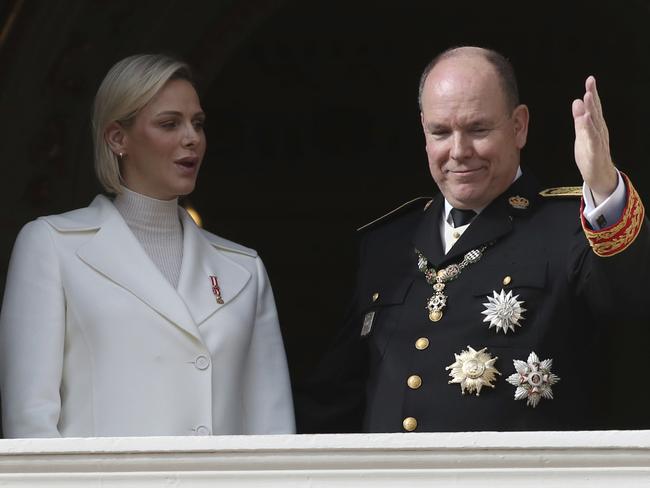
(127, 87)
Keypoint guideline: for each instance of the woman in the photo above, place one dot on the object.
(126, 319)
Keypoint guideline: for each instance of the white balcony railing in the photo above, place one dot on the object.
(485, 459)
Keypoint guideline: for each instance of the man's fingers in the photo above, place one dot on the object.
(591, 111)
(577, 108)
(592, 89)
(582, 119)
(594, 112)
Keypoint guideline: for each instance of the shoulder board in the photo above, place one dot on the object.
(562, 191)
(423, 202)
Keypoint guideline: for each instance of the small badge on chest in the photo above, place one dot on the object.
(368, 319)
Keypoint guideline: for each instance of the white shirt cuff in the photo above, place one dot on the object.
(607, 213)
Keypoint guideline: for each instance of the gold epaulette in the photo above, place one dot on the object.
(618, 237)
(426, 201)
(562, 191)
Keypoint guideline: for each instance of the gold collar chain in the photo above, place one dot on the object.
(437, 279)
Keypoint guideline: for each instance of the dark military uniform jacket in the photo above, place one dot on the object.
(387, 370)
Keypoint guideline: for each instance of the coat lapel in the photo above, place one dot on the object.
(494, 222)
(201, 259)
(491, 224)
(427, 235)
(498, 218)
(116, 253)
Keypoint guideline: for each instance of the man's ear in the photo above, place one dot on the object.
(116, 138)
(520, 117)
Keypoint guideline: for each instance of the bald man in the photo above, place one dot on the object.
(496, 304)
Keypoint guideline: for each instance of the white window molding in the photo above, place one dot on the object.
(480, 459)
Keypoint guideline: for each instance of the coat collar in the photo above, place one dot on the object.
(494, 222)
(427, 235)
(115, 252)
(201, 260)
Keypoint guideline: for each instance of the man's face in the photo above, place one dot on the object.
(472, 138)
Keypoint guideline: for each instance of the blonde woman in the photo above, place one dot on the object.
(126, 319)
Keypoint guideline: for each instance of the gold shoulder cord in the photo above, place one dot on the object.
(562, 191)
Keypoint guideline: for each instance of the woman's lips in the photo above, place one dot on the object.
(187, 166)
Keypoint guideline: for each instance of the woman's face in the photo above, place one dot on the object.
(164, 146)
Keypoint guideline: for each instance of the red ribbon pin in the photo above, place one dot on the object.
(216, 290)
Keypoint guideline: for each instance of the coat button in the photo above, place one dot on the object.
(202, 363)
(414, 382)
(422, 343)
(507, 280)
(202, 430)
(410, 424)
(375, 296)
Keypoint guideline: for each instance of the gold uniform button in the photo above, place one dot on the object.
(422, 343)
(507, 280)
(375, 296)
(409, 424)
(456, 235)
(414, 382)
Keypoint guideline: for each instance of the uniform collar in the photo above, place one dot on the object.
(448, 206)
(493, 222)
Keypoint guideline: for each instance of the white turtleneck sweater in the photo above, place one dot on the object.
(157, 225)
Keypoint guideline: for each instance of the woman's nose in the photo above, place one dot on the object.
(191, 136)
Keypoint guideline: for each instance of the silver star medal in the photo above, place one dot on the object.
(533, 379)
(503, 311)
(473, 370)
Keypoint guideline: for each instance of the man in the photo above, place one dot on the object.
(493, 306)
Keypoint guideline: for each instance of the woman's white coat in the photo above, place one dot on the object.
(94, 341)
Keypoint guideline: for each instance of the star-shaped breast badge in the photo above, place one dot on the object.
(503, 311)
(533, 380)
(473, 370)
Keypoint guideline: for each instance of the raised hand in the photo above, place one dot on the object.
(592, 144)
